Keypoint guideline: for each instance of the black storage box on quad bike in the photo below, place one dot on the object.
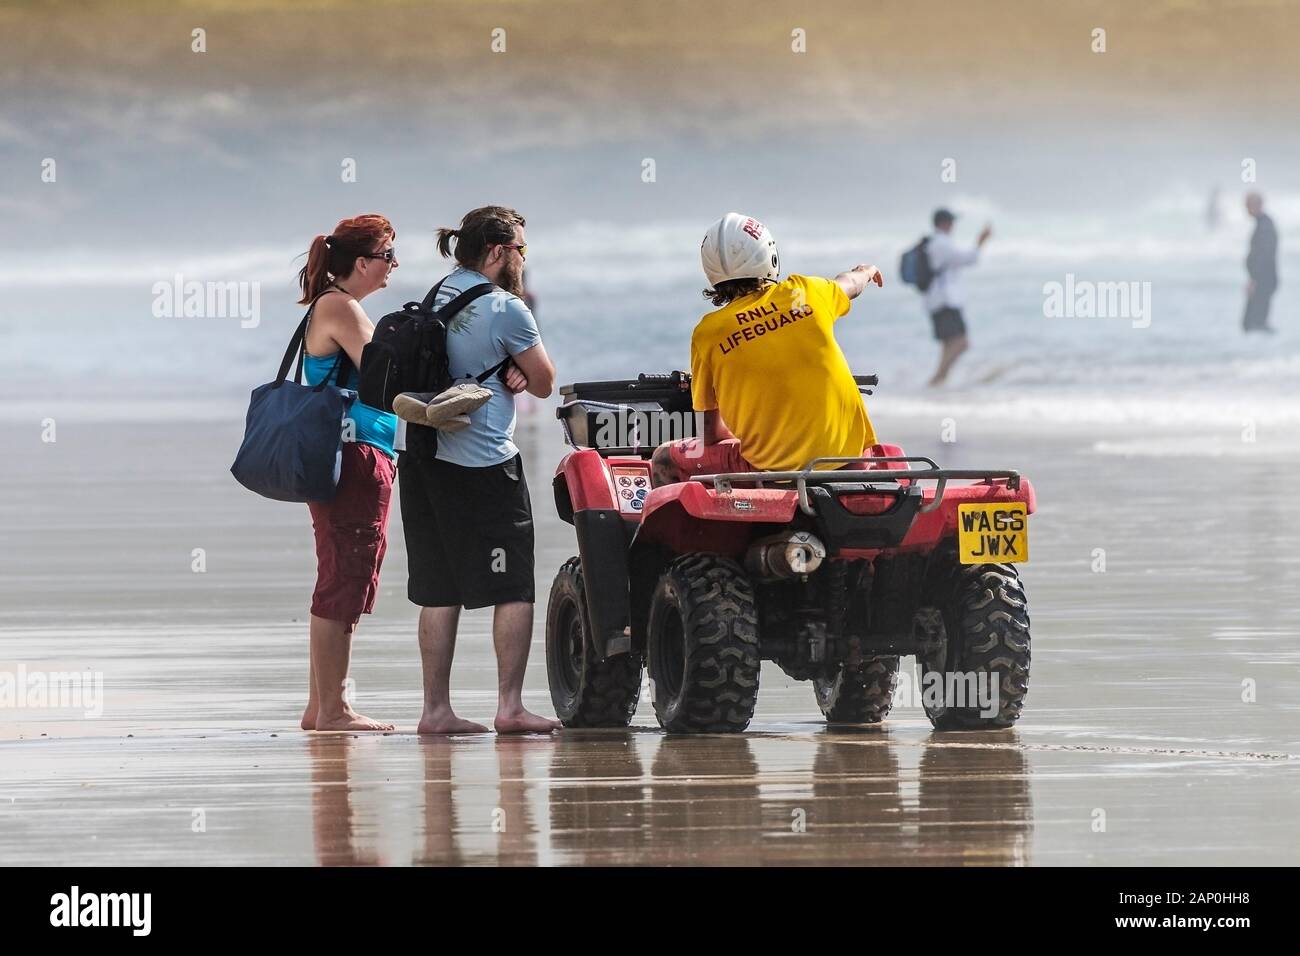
(625, 413)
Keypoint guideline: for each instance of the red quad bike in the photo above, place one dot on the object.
(830, 572)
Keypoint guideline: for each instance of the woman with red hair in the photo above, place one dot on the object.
(351, 528)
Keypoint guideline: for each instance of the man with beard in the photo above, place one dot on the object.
(465, 506)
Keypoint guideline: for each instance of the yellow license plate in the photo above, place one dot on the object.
(993, 534)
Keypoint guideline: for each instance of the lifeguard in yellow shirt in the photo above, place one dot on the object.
(766, 372)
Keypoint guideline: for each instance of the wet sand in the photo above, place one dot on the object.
(1135, 709)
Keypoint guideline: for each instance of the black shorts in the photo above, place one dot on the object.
(469, 533)
(948, 324)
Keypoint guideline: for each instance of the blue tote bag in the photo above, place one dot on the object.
(293, 436)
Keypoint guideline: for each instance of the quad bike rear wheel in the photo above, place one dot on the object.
(586, 692)
(860, 692)
(982, 629)
(703, 646)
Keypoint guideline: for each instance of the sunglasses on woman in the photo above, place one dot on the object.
(388, 255)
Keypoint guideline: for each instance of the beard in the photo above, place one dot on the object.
(512, 279)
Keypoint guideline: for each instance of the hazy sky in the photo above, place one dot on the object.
(161, 146)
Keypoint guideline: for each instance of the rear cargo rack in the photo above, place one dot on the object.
(581, 420)
(723, 483)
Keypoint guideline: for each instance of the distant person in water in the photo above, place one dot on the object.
(530, 299)
(1261, 266)
(945, 297)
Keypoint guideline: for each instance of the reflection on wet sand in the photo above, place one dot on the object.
(848, 797)
(597, 797)
(704, 802)
(974, 805)
(856, 811)
(497, 831)
(334, 826)
(439, 847)
(715, 800)
(511, 819)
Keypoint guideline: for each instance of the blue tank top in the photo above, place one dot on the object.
(373, 427)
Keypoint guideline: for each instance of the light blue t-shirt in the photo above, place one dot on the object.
(478, 337)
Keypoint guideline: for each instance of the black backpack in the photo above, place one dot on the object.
(914, 268)
(408, 353)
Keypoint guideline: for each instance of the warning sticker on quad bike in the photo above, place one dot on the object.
(993, 534)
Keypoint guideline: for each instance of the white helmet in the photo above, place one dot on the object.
(738, 247)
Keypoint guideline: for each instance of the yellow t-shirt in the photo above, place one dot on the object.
(770, 364)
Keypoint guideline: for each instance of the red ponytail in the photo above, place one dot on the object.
(333, 257)
(314, 277)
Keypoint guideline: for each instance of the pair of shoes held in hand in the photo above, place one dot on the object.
(447, 410)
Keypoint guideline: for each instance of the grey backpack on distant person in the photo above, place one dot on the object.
(914, 268)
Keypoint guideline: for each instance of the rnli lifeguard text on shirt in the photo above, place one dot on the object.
(760, 321)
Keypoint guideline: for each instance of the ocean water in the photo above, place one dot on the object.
(80, 336)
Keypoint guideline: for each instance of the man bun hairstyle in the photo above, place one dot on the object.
(479, 231)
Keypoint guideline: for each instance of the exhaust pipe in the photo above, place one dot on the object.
(787, 554)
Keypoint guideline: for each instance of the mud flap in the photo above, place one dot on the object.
(603, 539)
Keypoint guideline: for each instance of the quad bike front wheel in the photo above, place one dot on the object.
(703, 646)
(979, 640)
(860, 692)
(586, 692)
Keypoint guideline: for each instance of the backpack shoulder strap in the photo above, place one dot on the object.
(486, 373)
(427, 304)
(458, 302)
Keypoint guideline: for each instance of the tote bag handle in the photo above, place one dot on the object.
(298, 346)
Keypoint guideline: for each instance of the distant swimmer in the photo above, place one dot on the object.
(530, 300)
(934, 266)
(1261, 266)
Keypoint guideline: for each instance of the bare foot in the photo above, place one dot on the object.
(522, 722)
(351, 720)
(445, 722)
(309, 718)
